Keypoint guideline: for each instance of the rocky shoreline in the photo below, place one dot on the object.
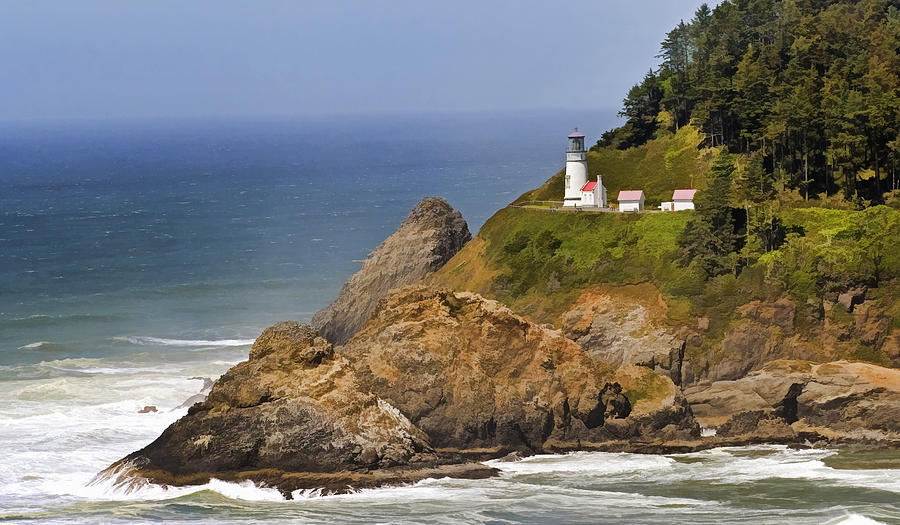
(401, 381)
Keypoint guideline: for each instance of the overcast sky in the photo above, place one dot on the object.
(183, 58)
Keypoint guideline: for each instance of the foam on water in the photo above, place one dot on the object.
(161, 341)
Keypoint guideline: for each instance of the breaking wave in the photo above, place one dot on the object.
(161, 341)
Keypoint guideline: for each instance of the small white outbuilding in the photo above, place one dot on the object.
(593, 194)
(631, 200)
(683, 200)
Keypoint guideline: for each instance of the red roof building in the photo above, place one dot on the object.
(589, 186)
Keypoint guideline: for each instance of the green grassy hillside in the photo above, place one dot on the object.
(668, 162)
(539, 262)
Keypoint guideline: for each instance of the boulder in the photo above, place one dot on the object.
(477, 378)
(431, 234)
(787, 399)
(292, 416)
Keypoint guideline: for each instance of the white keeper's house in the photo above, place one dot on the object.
(683, 200)
(631, 200)
(579, 191)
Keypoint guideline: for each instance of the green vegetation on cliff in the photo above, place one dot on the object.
(784, 115)
(539, 262)
(668, 162)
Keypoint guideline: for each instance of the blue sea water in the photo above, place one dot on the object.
(136, 256)
(212, 230)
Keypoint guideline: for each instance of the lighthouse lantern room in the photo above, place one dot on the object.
(576, 168)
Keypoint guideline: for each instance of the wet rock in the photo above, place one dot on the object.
(431, 234)
(147, 409)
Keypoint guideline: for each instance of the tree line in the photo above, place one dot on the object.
(808, 90)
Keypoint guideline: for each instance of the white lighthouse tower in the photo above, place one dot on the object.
(576, 168)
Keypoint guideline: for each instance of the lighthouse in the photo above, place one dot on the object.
(576, 168)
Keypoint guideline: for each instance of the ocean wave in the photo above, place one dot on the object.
(161, 341)
(853, 519)
(50, 320)
(42, 345)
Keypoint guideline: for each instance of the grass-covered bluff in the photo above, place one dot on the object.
(539, 262)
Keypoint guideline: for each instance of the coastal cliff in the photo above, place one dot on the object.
(431, 234)
(292, 416)
(440, 369)
(477, 378)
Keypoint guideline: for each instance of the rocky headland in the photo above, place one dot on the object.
(404, 377)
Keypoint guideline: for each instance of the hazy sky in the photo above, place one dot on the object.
(120, 58)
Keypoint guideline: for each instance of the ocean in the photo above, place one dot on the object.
(138, 257)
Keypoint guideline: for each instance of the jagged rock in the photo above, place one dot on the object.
(891, 348)
(852, 297)
(749, 344)
(148, 409)
(872, 324)
(779, 313)
(431, 234)
(838, 400)
(474, 376)
(292, 416)
(625, 328)
(200, 396)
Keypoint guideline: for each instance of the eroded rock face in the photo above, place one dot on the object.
(431, 234)
(474, 376)
(625, 328)
(292, 416)
(838, 400)
(778, 313)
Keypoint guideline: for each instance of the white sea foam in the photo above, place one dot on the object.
(161, 341)
(41, 345)
(853, 519)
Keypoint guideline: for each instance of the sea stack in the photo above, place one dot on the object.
(431, 234)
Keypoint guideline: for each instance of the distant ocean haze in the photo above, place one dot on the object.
(214, 229)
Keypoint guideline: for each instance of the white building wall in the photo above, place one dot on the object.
(631, 205)
(683, 205)
(576, 177)
(587, 198)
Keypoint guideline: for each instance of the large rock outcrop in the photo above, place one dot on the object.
(292, 416)
(624, 326)
(786, 400)
(477, 378)
(431, 234)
